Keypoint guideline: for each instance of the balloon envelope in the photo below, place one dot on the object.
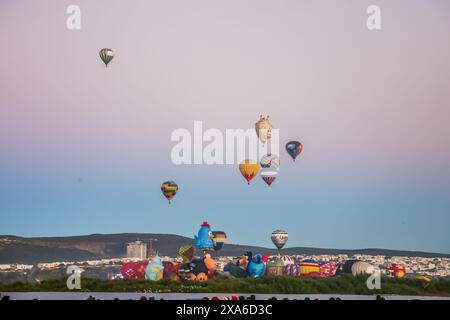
(294, 148)
(169, 189)
(279, 238)
(269, 177)
(361, 267)
(219, 239)
(106, 55)
(249, 169)
(186, 252)
(263, 129)
(270, 161)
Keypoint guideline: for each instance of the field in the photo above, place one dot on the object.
(342, 284)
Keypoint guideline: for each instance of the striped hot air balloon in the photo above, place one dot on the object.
(219, 239)
(291, 270)
(106, 55)
(309, 267)
(169, 189)
(249, 169)
(287, 260)
(269, 177)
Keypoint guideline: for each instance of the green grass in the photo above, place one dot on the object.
(343, 284)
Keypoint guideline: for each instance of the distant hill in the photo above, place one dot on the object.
(15, 249)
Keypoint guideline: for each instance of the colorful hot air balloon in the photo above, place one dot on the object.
(106, 55)
(186, 252)
(309, 267)
(203, 240)
(396, 271)
(291, 269)
(294, 148)
(154, 269)
(263, 129)
(327, 269)
(134, 270)
(287, 260)
(279, 239)
(270, 161)
(269, 176)
(249, 169)
(169, 189)
(219, 239)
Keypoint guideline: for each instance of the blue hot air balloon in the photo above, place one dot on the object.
(203, 240)
(294, 148)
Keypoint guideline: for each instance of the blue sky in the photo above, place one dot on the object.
(371, 108)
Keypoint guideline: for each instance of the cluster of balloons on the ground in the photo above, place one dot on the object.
(204, 267)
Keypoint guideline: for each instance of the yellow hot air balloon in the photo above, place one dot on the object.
(249, 169)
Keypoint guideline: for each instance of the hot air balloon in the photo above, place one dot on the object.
(219, 239)
(106, 55)
(279, 239)
(275, 268)
(362, 267)
(263, 129)
(270, 161)
(134, 270)
(154, 269)
(347, 266)
(249, 169)
(396, 271)
(169, 189)
(309, 267)
(287, 260)
(294, 148)
(291, 269)
(269, 176)
(327, 269)
(186, 252)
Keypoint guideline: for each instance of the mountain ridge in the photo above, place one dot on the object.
(32, 250)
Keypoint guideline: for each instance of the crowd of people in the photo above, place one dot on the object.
(233, 298)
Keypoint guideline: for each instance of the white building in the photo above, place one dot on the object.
(137, 250)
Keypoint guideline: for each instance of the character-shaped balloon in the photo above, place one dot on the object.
(203, 240)
(256, 267)
(263, 129)
(210, 265)
(154, 270)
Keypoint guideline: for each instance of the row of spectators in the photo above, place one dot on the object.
(251, 297)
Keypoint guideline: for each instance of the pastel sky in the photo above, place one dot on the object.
(84, 148)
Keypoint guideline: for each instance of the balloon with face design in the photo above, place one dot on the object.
(203, 240)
